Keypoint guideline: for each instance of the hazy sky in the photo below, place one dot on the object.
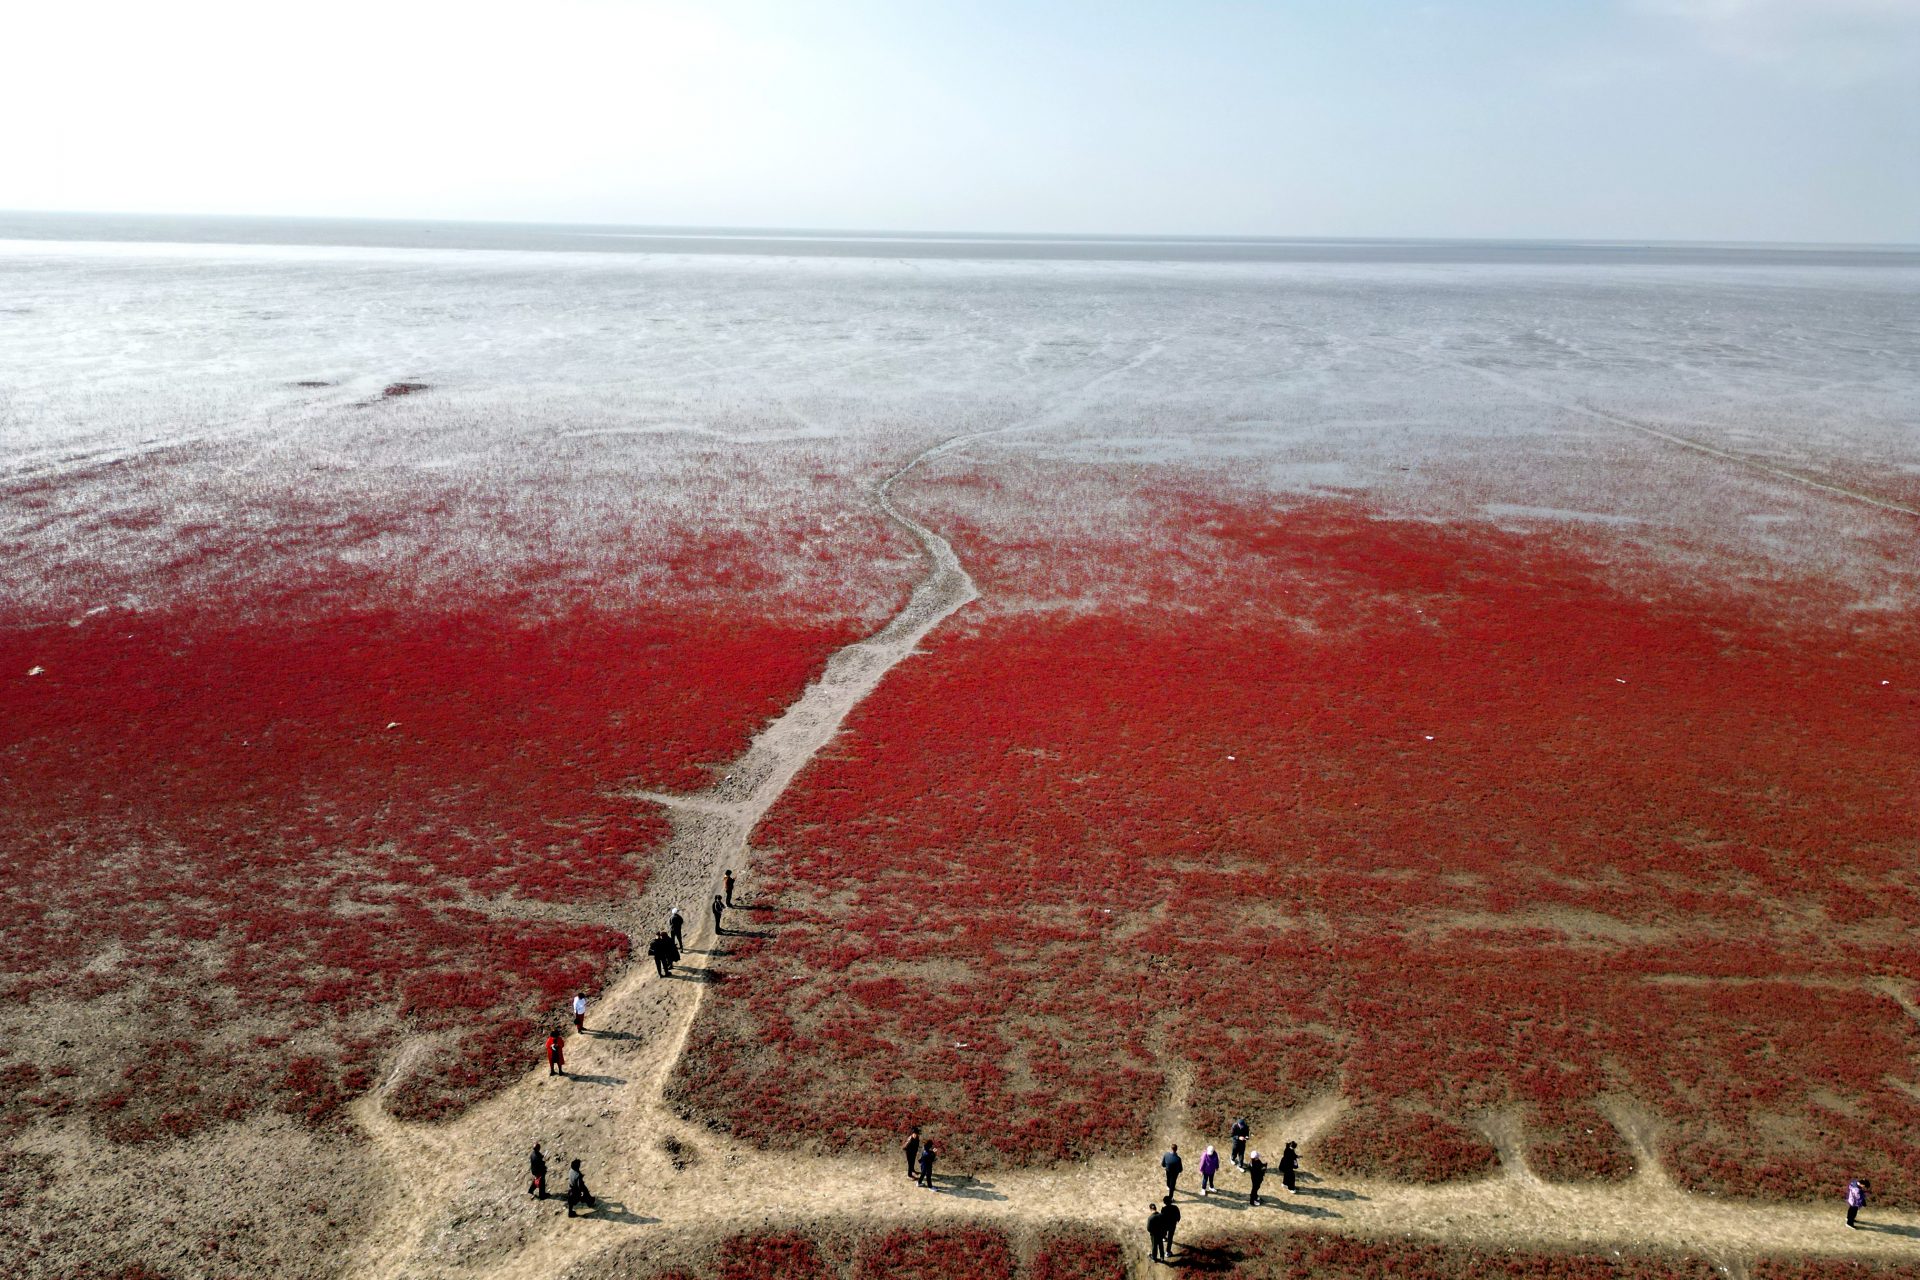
(1707, 119)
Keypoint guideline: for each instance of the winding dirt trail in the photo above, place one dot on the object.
(454, 1195)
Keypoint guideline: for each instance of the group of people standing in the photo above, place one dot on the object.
(1163, 1218)
(670, 942)
(920, 1157)
(665, 949)
(577, 1193)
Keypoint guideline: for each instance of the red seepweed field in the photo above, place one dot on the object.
(1483, 834)
(290, 794)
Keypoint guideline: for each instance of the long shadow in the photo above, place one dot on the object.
(1207, 1258)
(705, 977)
(603, 1033)
(1295, 1208)
(605, 1080)
(615, 1211)
(746, 933)
(1892, 1229)
(753, 906)
(1331, 1193)
(966, 1187)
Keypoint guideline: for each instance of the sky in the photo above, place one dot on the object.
(1771, 120)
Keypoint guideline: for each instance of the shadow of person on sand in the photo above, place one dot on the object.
(1331, 1193)
(608, 1033)
(614, 1211)
(601, 1080)
(706, 977)
(1892, 1229)
(1207, 1258)
(965, 1186)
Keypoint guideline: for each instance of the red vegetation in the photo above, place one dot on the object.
(1077, 1255)
(949, 1253)
(1310, 1255)
(849, 1251)
(1831, 1269)
(291, 838)
(1428, 815)
(786, 1256)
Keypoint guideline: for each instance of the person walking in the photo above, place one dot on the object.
(719, 909)
(577, 1192)
(912, 1148)
(676, 927)
(580, 1011)
(1290, 1166)
(556, 1054)
(1239, 1134)
(1171, 1164)
(660, 948)
(1256, 1174)
(1209, 1165)
(729, 883)
(1170, 1215)
(1157, 1231)
(672, 945)
(926, 1165)
(1856, 1200)
(537, 1165)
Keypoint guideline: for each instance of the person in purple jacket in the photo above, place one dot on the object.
(1856, 1200)
(1209, 1165)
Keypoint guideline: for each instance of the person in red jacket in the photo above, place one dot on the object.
(556, 1054)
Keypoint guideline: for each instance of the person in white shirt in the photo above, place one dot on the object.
(580, 1012)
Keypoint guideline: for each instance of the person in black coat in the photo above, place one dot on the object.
(660, 948)
(1256, 1173)
(1157, 1231)
(926, 1165)
(537, 1165)
(1289, 1166)
(912, 1147)
(577, 1192)
(1239, 1134)
(1170, 1215)
(719, 906)
(1172, 1165)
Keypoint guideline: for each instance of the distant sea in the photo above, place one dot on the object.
(563, 237)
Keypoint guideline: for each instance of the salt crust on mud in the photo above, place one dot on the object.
(702, 409)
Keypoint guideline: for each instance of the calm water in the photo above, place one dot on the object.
(155, 228)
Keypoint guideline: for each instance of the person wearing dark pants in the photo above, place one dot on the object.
(912, 1147)
(1289, 1166)
(1157, 1231)
(660, 949)
(719, 909)
(729, 884)
(1171, 1164)
(926, 1165)
(1239, 1134)
(1856, 1200)
(577, 1193)
(1256, 1174)
(1170, 1215)
(676, 927)
(537, 1165)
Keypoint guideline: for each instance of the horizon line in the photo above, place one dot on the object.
(646, 230)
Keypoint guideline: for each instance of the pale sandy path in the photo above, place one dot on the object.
(454, 1194)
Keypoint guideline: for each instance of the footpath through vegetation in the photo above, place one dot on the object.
(454, 1197)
